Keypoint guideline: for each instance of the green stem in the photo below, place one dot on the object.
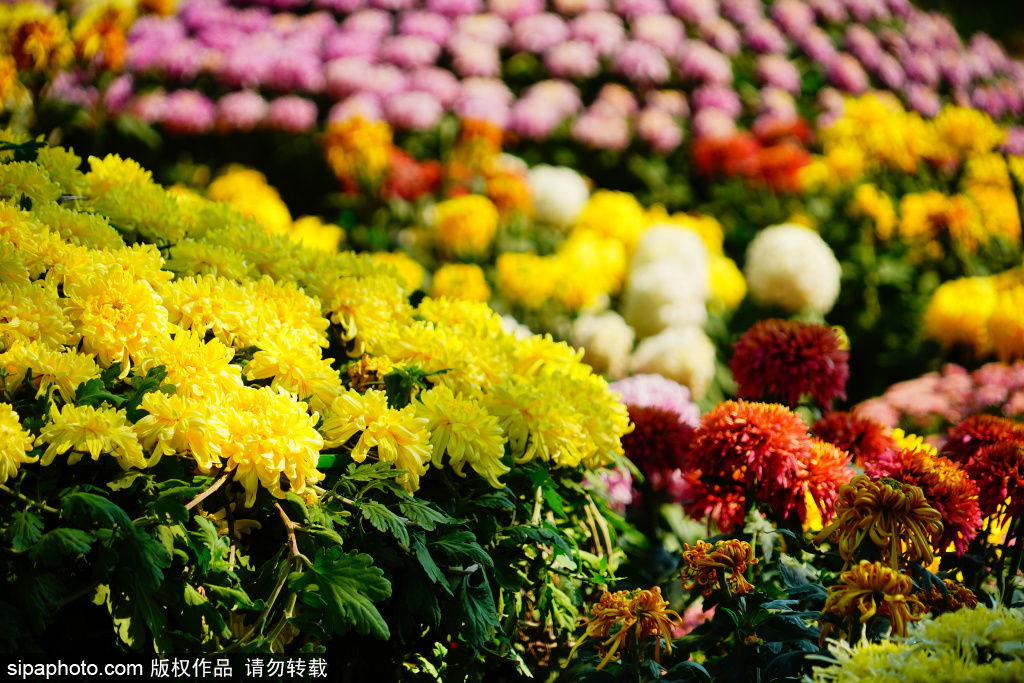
(33, 503)
(1015, 560)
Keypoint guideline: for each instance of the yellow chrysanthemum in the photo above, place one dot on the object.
(460, 281)
(118, 317)
(37, 38)
(27, 179)
(465, 226)
(15, 443)
(62, 165)
(207, 304)
(462, 429)
(617, 215)
(191, 257)
(96, 431)
(537, 420)
(400, 437)
(364, 307)
(125, 193)
(270, 435)
(591, 267)
(527, 280)
(13, 266)
(913, 442)
(967, 132)
(272, 254)
(959, 312)
(870, 202)
(280, 310)
(34, 312)
(100, 33)
(1006, 326)
(178, 424)
(728, 286)
(1000, 211)
(35, 243)
(62, 369)
(411, 272)
(313, 233)
(358, 151)
(872, 589)
(140, 261)
(987, 170)
(197, 368)
(84, 229)
(299, 370)
(248, 191)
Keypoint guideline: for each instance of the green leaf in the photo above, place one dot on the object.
(427, 562)
(424, 515)
(88, 507)
(125, 480)
(200, 612)
(498, 499)
(94, 393)
(458, 544)
(475, 608)
(420, 598)
(371, 471)
(227, 596)
(144, 557)
(110, 375)
(349, 584)
(24, 530)
(135, 609)
(52, 547)
(384, 520)
(141, 386)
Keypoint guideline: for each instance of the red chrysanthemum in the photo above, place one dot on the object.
(864, 439)
(999, 471)
(946, 487)
(742, 449)
(780, 359)
(658, 442)
(828, 468)
(978, 431)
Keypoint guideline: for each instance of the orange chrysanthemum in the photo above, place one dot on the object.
(640, 613)
(827, 469)
(978, 431)
(957, 596)
(867, 590)
(705, 566)
(999, 472)
(863, 438)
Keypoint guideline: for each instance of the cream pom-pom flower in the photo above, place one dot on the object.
(559, 194)
(662, 295)
(683, 354)
(606, 339)
(791, 266)
(675, 244)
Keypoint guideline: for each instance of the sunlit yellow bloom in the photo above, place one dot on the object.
(313, 233)
(728, 286)
(34, 312)
(589, 266)
(27, 179)
(99, 33)
(872, 203)
(272, 254)
(358, 151)
(140, 261)
(967, 132)
(178, 424)
(96, 431)
(11, 89)
(614, 214)
(869, 589)
(84, 229)
(411, 272)
(400, 437)
(207, 304)
(462, 429)
(460, 281)
(270, 435)
(35, 243)
(118, 317)
(299, 370)
(62, 165)
(62, 369)
(125, 193)
(538, 422)
(901, 439)
(527, 280)
(465, 226)
(706, 563)
(198, 368)
(13, 266)
(282, 309)
(15, 443)
(643, 614)
(248, 191)
(895, 517)
(189, 257)
(959, 313)
(1006, 326)
(987, 170)
(364, 307)
(1000, 211)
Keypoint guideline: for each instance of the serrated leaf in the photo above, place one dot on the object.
(54, 546)
(420, 599)
(135, 610)
(140, 387)
(79, 507)
(144, 556)
(94, 393)
(433, 572)
(371, 471)
(24, 530)
(39, 593)
(200, 612)
(384, 520)
(498, 499)
(475, 608)
(228, 596)
(425, 515)
(349, 584)
(458, 544)
(124, 480)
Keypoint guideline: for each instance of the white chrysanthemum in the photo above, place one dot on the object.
(607, 341)
(668, 243)
(559, 194)
(662, 295)
(791, 266)
(683, 354)
(511, 326)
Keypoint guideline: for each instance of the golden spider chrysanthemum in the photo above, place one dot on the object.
(180, 424)
(15, 443)
(199, 369)
(64, 370)
(96, 431)
(640, 614)
(894, 516)
(872, 589)
(705, 564)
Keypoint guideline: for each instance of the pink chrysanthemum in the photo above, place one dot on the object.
(946, 487)
(743, 449)
(978, 431)
(658, 443)
(999, 472)
(785, 360)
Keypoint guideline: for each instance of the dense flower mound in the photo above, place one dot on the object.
(991, 325)
(999, 471)
(979, 431)
(871, 589)
(286, 66)
(981, 644)
(864, 438)
(243, 345)
(946, 487)
(779, 359)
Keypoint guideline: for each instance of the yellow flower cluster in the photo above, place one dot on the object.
(642, 614)
(464, 281)
(876, 133)
(464, 227)
(241, 332)
(983, 644)
(358, 151)
(411, 272)
(985, 314)
(35, 36)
